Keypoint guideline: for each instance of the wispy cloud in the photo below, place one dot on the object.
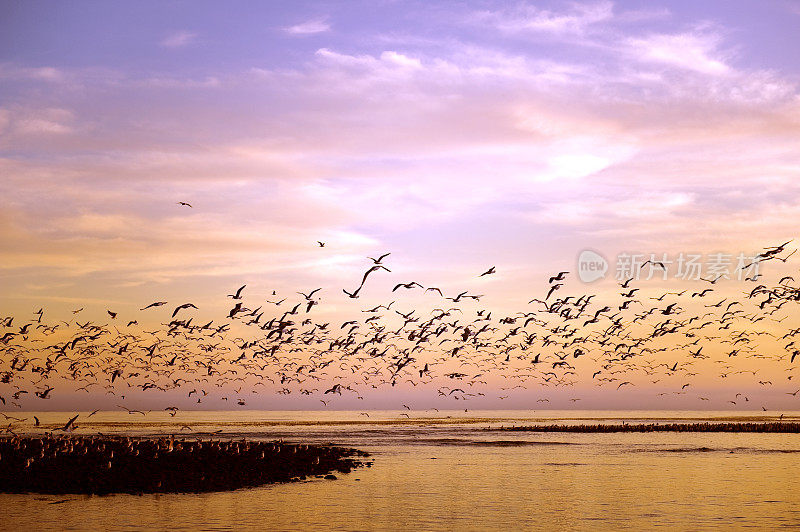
(178, 39)
(310, 27)
(28, 122)
(698, 51)
(576, 19)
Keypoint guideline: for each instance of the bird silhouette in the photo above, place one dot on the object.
(490, 271)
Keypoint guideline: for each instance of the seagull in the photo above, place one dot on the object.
(703, 293)
(130, 411)
(45, 394)
(185, 204)
(352, 295)
(375, 267)
(410, 285)
(235, 310)
(70, 426)
(553, 289)
(490, 271)
(238, 294)
(310, 294)
(379, 259)
(180, 307)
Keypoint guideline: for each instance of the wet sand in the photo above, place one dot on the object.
(104, 465)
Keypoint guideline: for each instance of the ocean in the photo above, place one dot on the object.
(448, 470)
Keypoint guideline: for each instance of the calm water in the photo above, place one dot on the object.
(445, 471)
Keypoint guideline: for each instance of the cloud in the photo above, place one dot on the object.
(528, 18)
(792, 7)
(426, 148)
(697, 51)
(27, 122)
(15, 72)
(178, 39)
(310, 27)
(400, 59)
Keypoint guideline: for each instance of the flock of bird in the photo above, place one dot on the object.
(54, 463)
(636, 336)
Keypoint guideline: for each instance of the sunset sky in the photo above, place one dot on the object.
(455, 135)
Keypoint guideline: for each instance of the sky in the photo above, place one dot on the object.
(455, 135)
